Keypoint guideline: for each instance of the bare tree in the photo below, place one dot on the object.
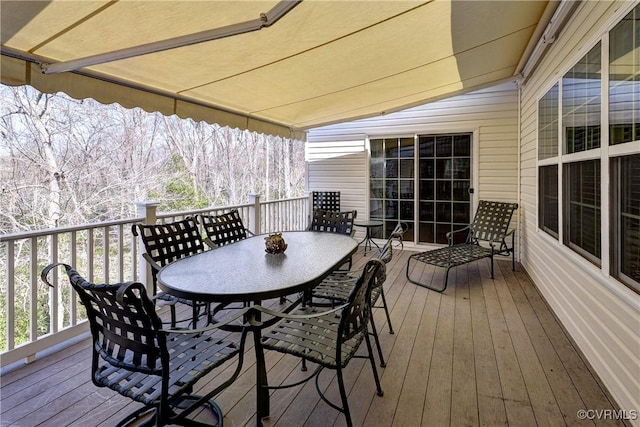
(66, 161)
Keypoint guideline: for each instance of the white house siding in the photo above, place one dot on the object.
(337, 157)
(602, 315)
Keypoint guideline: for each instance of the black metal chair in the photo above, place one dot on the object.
(490, 226)
(328, 339)
(335, 289)
(223, 229)
(164, 244)
(334, 222)
(134, 356)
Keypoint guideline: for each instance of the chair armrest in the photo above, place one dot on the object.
(227, 321)
(151, 261)
(290, 316)
(450, 234)
(251, 313)
(207, 241)
(502, 242)
(502, 238)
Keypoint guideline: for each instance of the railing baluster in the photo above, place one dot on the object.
(120, 238)
(11, 296)
(90, 248)
(73, 258)
(106, 255)
(33, 291)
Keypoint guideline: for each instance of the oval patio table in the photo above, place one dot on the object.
(244, 272)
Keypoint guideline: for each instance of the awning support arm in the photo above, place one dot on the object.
(266, 20)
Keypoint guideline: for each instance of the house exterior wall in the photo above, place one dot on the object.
(601, 314)
(337, 155)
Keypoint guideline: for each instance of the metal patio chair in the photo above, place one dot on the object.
(134, 356)
(487, 236)
(165, 243)
(334, 222)
(223, 229)
(338, 285)
(331, 338)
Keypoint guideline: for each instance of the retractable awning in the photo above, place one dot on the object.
(269, 66)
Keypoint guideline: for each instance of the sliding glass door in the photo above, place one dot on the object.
(438, 167)
(444, 186)
(392, 183)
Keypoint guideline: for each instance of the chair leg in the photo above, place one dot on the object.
(377, 340)
(386, 310)
(172, 309)
(379, 391)
(424, 285)
(491, 257)
(194, 311)
(343, 396)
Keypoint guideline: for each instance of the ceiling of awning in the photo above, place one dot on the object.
(323, 62)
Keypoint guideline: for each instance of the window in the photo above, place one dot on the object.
(626, 226)
(581, 103)
(548, 215)
(570, 114)
(548, 124)
(624, 80)
(582, 208)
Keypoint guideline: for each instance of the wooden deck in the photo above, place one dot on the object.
(486, 352)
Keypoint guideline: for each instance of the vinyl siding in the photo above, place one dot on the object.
(337, 155)
(601, 314)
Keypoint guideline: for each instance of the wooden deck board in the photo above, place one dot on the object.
(491, 408)
(485, 352)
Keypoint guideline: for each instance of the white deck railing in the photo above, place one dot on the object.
(35, 318)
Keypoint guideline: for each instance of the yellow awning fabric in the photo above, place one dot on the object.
(323, 62)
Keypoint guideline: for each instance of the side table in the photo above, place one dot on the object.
(368, 241)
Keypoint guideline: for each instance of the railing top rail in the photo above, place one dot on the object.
(59, 230)
(268, 202)
(192, 212)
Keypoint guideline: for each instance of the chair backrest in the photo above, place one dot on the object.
(165, 243)
(333, 221)
(326, 200)
(124, 325)
(386, 252)
(491, 221)
(223, 229)
(355, 315)
(398, 232)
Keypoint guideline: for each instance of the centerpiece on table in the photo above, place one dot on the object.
(275, 243)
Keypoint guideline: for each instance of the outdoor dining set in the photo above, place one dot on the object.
(293, 292)
(225, 274)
